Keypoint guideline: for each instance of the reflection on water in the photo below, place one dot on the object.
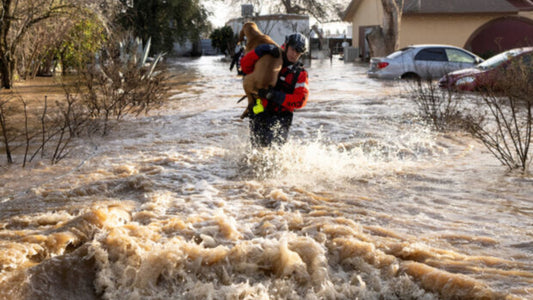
(363, 202)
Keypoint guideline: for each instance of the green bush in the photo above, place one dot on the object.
(223, 39)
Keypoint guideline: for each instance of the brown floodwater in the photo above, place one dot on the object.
(364, 202)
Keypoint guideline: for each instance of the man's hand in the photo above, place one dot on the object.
(267, 49)
(272, 95)
(265, 93)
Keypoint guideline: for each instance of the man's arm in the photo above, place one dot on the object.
(296, 100)
(248, 61)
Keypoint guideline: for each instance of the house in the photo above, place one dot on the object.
(484, 27)
(276, 26)
(328, 39)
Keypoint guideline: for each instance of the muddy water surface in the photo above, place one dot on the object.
(363, 202)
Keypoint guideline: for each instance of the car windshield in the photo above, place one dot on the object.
(497, 60)
(398, 53)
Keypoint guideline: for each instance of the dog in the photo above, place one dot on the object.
(266, 69)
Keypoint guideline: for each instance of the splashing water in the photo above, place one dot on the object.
(362, 202)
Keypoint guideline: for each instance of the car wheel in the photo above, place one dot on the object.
(411, 76)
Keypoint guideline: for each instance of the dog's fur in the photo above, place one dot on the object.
(266, 69)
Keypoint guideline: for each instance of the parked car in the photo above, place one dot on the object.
(422, 62)
(491, 74)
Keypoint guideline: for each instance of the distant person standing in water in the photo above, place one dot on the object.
(236, 59)
(271, 118)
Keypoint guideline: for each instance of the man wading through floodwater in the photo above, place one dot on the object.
(272, 116)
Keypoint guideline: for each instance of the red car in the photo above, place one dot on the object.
(492, 74)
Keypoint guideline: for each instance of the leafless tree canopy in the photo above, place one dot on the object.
(25, 21)
(323, 11)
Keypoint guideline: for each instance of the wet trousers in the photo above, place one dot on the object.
(270, 128)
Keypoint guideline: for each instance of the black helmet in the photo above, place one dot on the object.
(296, 41)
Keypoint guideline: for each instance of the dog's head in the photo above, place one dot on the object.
(249, 29)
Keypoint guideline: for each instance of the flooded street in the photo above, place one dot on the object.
(364, 202)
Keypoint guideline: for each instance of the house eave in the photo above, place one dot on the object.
(438, 13)
(351, 10)
(418, 10)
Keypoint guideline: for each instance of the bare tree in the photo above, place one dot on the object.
(37, 51)
(19, 17)
(385, 39)
(321, 10)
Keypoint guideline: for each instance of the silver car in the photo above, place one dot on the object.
(422, 62)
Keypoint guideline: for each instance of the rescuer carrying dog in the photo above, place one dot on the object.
(271, 117)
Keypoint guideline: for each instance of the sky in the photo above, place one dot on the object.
(223, 12)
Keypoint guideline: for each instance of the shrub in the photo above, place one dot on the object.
(500, 117)
(223, 39)
(503, 120)
(439, 108)
(40, 127)
(122, 80)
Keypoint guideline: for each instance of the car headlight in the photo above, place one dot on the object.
(465, 80)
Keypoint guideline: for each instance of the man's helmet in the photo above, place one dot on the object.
(296, 41)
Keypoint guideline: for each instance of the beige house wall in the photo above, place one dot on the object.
(370, 13)
(452, 29)
(431, 29)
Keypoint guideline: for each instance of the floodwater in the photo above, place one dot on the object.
(364, 202)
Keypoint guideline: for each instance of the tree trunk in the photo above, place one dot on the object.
(376, 42)
(6, 71)
(15, 21)
(3, 127)
(385, 39)
(5, 57)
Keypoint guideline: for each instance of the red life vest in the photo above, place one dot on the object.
(292, 80)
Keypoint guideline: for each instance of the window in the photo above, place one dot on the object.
(455, 55)
(432, 54)
(399, 52)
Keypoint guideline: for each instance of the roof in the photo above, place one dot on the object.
(452, 7)
(458, 6)
(522, 4)
(275, 17)
(431, 45)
